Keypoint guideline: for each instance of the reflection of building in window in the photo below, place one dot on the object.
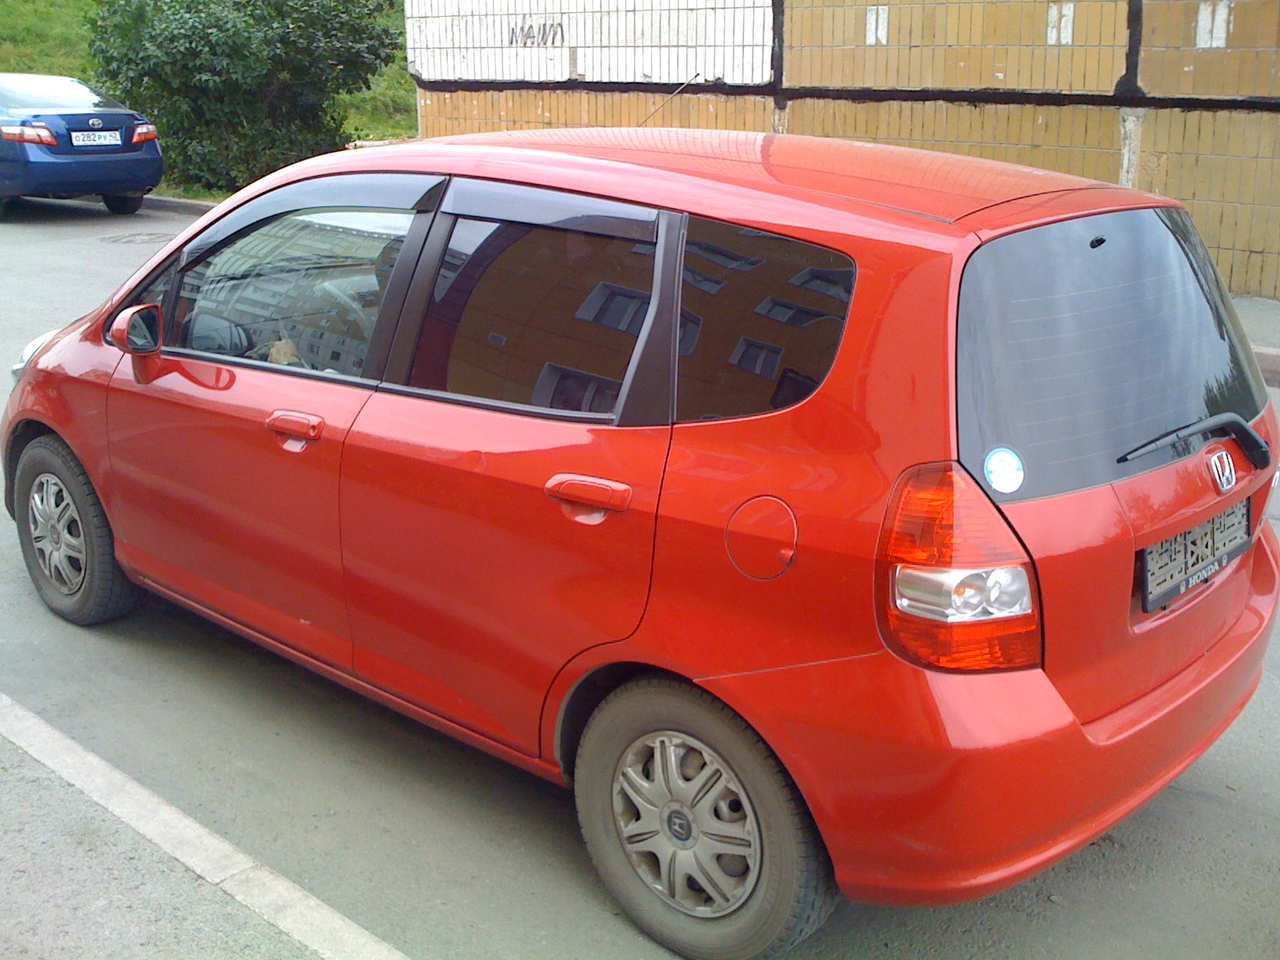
(696, 278)
(793, 386)
(690, 327)
(837, 284)
(692, 276)
(562, 388)
(466, 239)
(616, 307)
(722, 256)
(792, 314)
(756, 357)
(530, 314)
(450, 264)
(345, 354)
(622, 308)
(315, 279)
(783, 310)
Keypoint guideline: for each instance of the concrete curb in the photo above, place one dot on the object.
(1269, 361)
(179, 205)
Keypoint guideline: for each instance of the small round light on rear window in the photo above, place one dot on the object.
(1003, 470)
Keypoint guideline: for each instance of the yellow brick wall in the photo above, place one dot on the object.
(442, 114)
(1225, 164)
(1081, 140)
(954, 44)
(1172, 64)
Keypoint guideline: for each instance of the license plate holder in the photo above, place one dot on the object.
(1176, 564)
(95, 138)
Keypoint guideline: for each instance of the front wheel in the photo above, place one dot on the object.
(695, 828)
(66, 540)
(122, 204)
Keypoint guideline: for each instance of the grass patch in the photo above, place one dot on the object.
(183, 191)
(45, 36)
(388, 110)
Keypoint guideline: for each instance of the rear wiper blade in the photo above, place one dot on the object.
(1254, 447)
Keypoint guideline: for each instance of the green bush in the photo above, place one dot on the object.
(239, 88)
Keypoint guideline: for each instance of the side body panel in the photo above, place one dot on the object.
(469, 586)
(213, 504)
(65, 390)
(831, 461)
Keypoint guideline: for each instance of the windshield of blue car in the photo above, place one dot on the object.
(20, 91)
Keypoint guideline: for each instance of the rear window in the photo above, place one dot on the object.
(30, 92)
(1082, 340)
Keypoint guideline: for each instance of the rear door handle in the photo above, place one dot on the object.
(300, 426)
(589, 491)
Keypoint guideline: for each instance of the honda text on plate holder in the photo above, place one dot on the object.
(1174, 566)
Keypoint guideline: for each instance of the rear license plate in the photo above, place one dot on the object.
(1173, 566)
(95, 138)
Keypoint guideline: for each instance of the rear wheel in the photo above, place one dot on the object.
(119, 203)
(66, 541)
(695, 828)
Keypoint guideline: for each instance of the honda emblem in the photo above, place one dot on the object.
(1223, 469)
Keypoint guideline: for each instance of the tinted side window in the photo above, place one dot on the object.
(534, 315)
(762, 316)
(157, 288)
(153, 291)
(303, 290)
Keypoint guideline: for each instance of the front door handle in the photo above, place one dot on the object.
(589, 491)
(304, 427)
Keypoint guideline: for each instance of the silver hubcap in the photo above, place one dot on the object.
(56, 533)
(686, 824)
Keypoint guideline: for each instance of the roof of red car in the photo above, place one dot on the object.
(938, 186)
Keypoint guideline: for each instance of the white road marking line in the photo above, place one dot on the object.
(280, 902)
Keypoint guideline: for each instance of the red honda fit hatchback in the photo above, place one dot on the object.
(832, 516)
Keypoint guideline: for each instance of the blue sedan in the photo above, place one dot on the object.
(61, 138)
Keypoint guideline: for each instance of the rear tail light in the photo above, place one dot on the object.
(955, 589)
(144, 132)
(29, 134)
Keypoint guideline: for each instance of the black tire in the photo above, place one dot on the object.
(122, 204)
(794, 892)
(104, 592)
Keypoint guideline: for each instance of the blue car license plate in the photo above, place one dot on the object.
(95, 138)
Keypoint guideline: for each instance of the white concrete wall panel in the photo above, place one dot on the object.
(602, 41)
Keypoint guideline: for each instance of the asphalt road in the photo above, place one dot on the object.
(434, 847)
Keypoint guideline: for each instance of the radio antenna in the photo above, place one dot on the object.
(656, 110)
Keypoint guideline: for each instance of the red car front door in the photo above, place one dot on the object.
(225, 482)
(499, 493)
(225, 448)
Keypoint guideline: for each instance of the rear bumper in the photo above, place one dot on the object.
(931, 787)
(34, 171)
